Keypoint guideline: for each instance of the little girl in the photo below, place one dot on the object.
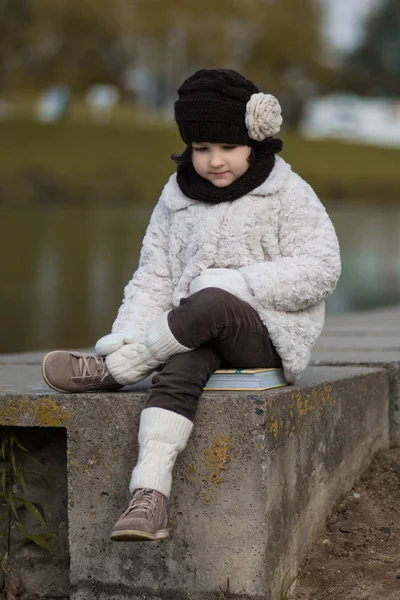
(236, 263)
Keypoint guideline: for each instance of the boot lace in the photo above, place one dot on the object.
(91, 367)
(143, 500)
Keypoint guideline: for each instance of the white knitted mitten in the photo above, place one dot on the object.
(111, 342)
(133, 362)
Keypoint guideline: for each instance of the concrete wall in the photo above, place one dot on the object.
(251, 491)
(316, 455)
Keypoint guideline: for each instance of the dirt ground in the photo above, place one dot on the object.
(358, 555)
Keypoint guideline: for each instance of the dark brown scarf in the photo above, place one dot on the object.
(196, 187)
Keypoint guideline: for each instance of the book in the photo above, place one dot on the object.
(245, 379)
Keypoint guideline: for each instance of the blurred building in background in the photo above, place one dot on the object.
(349, 117)
(365, 107)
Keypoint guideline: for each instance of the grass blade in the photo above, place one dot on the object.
(21, 446)
(21, 481)
(30, 506)
(4, 563)
(11, 502)
(13, 461)
(3, 447)
(48, 536)
(30, 473)
(33, 459)
(4, 478)
(37, 539)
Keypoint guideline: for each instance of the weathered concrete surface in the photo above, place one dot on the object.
(23, 358)
(370, 338)
(251, 491)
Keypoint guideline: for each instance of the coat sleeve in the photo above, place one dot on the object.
(309, 264)
(150, 290)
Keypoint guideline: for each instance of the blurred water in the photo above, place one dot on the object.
(63, 270)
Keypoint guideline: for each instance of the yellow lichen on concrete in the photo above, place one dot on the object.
(302, 404)
(273, 428)
(205, 497)
(87, 468)
(317, 398)
(48, 412)
(217, 458)
(207, 473)
(8, 415)
(39, 412)
(192, 470)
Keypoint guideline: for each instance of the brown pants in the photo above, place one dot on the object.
(223, 330)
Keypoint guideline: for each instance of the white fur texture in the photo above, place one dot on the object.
(230, 280)
(263, 116)
(278, 236)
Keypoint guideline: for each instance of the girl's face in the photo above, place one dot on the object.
(221, 164)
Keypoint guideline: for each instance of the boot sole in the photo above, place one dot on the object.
(132, 535)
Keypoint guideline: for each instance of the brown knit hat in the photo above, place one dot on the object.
(222, 106)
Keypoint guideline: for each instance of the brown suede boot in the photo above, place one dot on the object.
(144, 520)
(77, 372)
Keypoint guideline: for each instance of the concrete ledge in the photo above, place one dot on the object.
(370, 338)
(251, 491)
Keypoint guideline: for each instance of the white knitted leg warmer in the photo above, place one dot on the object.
(162, 435)
(134, 362)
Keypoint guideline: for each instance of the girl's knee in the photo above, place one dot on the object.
(213, 297)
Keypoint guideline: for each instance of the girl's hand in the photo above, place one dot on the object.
(112, 342)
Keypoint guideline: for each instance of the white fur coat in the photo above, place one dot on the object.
(278, 236)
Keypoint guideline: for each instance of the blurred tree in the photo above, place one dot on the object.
(374, 67)
(75, 42)
(278, 43)
(288, 54)
(15, 19)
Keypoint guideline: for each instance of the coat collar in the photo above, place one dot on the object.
(176, 200)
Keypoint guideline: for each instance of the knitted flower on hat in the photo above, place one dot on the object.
(263, 116)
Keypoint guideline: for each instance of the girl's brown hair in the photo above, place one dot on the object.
(184, 158)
